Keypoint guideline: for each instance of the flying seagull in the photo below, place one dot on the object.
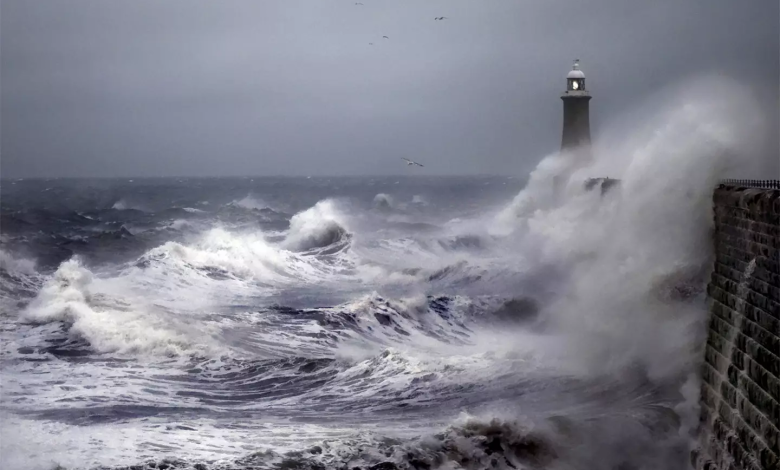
(440, 18)
(385, 37)
(358, 3)
(409, 162)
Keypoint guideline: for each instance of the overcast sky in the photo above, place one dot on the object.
(190, 87)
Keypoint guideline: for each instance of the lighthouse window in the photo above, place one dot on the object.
(575, 85)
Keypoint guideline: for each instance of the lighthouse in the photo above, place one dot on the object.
(576, 119)
(575, 138)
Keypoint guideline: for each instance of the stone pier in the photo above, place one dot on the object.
(740, 393)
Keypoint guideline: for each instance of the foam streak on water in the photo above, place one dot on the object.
(476, 322)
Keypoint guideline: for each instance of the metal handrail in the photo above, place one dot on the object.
(758, 184)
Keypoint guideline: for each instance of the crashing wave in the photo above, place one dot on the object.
(108, 324)
(250, 202)
(13, 265)
(462, 242)
(222, 255)
(383, 202)
(317, 227)
(605, 442)
(19, 281)
(419, 200)
(123, 205)
(470, 446)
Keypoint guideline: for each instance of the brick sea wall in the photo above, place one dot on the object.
(740, 393)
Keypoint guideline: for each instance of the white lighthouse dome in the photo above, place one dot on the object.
(575, 71)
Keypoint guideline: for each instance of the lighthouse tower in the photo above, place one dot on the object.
(576, 120)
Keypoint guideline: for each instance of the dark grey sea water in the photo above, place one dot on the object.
(302, 323)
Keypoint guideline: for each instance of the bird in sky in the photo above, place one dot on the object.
(385, 37)
(438, 18)
(370, 43)
(409, 162)
(358, 3)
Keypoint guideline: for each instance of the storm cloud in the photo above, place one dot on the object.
(202, 88)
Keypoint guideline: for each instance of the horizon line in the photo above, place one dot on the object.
(439, 175)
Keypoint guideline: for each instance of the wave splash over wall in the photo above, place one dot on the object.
(638, 257)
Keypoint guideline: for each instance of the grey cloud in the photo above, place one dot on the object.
(147, 88)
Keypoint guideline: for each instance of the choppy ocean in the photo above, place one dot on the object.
(310, 323)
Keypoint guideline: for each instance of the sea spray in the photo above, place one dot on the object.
(250, 202)
(656, 223)
(16, 265)
(383, 202)
(655, 226)
(107, 324)
(317, 227)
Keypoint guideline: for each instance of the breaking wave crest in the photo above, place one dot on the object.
(123, 205)
(250, 202)
(10, 264)
(383, 202)
(320, 226)
(220, 253)
(19, 281)
(108, 324)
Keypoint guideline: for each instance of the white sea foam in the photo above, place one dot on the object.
(420, 200)
(123, 205)
(14, 264)
(241, 256)
(179, 224)
(108, 323)
(250, 202)
(383, 201)
(20, 279)
(317, 227)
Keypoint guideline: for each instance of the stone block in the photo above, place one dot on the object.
(772, 308)
(759, 273)
(759, 399)
(709, 397)
(724, 331)
(758, 353)
(763, 378)
(757, 314)
(760, 335)
(720, 346)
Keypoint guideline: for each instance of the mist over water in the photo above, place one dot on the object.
(481, 322)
